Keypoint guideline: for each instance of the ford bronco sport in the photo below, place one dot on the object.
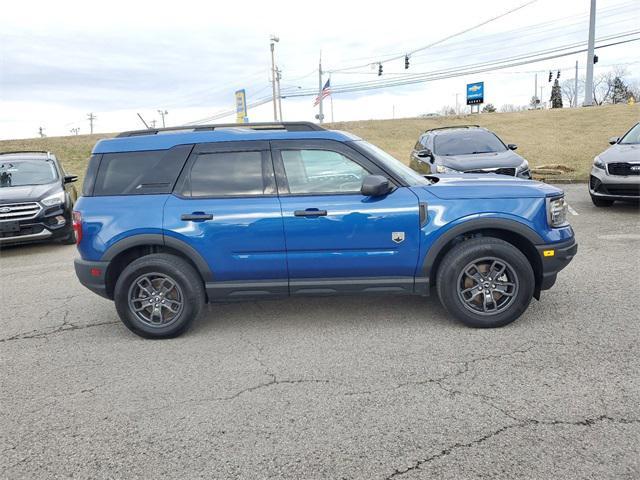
(172, 218)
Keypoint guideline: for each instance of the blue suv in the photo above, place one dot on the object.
(172, 218)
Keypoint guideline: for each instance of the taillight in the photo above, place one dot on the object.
(77, 226)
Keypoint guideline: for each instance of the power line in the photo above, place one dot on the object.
(442, 40)
(469, 69)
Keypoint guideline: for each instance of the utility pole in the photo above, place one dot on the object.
(153, 123)
(320, 114)
(575, 100)
(535, 92)
(278, 76)
(162, 114)
(91, 118)
(588, 84)
(457, 105)
(541, 96)
(41, 132)
(274, 39)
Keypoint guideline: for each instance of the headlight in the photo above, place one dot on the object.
(598, 163)
(523, 166)
(443, 169)
(557, 212)
(55, 199)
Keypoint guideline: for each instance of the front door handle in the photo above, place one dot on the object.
(196, 217)
(310, 212)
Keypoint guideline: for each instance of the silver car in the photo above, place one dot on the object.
(615, 174)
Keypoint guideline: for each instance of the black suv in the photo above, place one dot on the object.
(36, 199)
(466, 149)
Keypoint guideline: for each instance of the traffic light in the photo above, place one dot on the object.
(379, 69)
(558, 76)
(550, 75)
(406, 62)
(595, 59)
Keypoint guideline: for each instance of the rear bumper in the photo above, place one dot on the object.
(92, 275)
(554, 257)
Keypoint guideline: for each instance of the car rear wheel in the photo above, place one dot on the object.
(601, 202)
(159, 296)
(485, 282)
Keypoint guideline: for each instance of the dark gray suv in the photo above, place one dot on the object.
(466, 149)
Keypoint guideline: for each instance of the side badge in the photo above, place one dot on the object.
(397, 237)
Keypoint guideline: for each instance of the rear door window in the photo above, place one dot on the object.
(230, 173)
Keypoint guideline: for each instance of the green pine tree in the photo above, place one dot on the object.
(556, 95)
(620, 91)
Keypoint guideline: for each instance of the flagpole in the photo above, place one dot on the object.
(320, 114)
(331, 100)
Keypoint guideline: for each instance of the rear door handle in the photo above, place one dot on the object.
(196, 217)
(310, 212)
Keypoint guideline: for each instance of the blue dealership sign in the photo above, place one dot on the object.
(475, 93)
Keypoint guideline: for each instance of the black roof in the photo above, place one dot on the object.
(287, 126)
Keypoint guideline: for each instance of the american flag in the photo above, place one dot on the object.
(326, 91)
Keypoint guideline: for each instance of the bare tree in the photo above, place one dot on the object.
(447, 111)
(569, 92)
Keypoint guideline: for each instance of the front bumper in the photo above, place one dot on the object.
(554, 257)
(51, 223)
(613, 187)
(92, 275)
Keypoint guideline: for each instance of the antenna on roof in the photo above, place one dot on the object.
(142, 120)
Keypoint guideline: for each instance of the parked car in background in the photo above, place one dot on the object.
(615, 174)
(172, 218)
(466, 149)
(36, 199)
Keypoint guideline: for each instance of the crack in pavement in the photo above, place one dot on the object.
(460, 371)
(587, 422)
(64, 327)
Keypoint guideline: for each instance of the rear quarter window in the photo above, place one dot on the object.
(140, 173)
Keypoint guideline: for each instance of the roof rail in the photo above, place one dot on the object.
(452, 126)
(288, 126)
(48, 154)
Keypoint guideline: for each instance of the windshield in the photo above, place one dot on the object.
(393, 165)
(17, 173)
(632, 136)
(467, 143)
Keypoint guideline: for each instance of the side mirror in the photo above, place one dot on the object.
(375, 186)
(613, 140)
(425, 154)
(512, 146)
(70, 178)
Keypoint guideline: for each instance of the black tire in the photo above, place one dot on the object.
(69, 238)
(601, 202)
(452, 282)
(188, 292)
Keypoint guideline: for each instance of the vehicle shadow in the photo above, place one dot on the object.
(32, 248)
(324, 313)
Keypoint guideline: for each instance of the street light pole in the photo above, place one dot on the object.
(162, 114)
(588, 84)
(274, 39)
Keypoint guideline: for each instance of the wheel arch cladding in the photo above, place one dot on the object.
(519, 235)
(125, 251)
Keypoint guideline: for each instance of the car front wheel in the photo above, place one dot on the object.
(159, 296)
(485, 282)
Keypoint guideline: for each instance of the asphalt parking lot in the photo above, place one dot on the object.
(364, 387)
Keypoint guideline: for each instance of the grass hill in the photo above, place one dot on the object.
(568, 137)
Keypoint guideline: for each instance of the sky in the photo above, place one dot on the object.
(61, 60)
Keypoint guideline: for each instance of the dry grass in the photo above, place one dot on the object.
(567, 137)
